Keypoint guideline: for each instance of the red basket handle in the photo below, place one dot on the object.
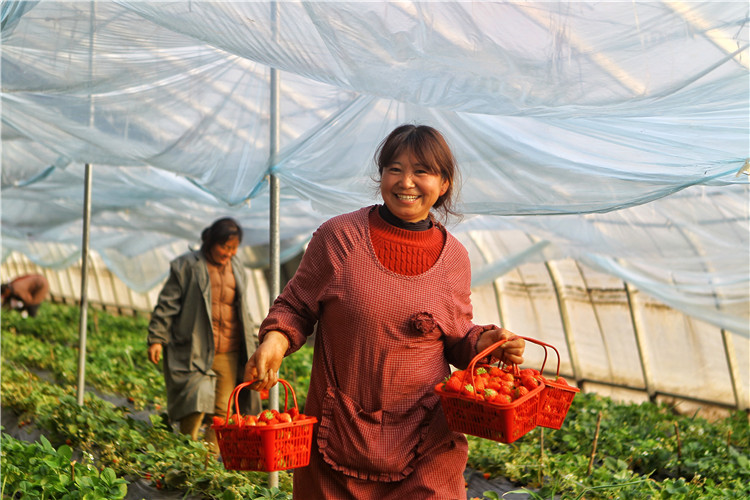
(497, 344)
(236, 392)
(546, 345)
(482, 355)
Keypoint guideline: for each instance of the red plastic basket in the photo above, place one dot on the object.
(503, 422)
(264, 448)
(556, 396)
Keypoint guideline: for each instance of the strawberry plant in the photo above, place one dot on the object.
(138, 450)
(134, 450)
(116, 359)
(643, 450)
(38, 470)
(637, 454)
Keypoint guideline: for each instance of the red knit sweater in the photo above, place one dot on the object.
(403, 251)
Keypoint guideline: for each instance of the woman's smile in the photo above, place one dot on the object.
(407, 197)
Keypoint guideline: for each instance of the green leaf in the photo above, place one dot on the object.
(744, 462)
(108, 476)
(84, 482)
(65, 452)
(45, 444)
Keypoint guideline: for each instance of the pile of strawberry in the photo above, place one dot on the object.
(492, 383)
(266, 417)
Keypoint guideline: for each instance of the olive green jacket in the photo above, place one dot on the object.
(181, 322)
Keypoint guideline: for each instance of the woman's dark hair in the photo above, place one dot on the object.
(219, 232)
(432, 151)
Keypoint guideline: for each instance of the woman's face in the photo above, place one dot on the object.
(222, 253)
(409, 189)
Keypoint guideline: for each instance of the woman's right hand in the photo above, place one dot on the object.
(154, 353)
(265, 362)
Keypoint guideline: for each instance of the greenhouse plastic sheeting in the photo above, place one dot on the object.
(612, 134)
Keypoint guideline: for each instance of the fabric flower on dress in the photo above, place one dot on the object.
(423, 322)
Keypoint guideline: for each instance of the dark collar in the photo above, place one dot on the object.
(391, 219)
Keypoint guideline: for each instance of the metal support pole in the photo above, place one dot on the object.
(558, 285)
(734, 371)
(640, 339)
(84, 286)
(275, 233)
(84, 305)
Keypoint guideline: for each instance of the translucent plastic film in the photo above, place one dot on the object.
(615, 133)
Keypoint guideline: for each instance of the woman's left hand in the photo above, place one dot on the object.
(509, 352)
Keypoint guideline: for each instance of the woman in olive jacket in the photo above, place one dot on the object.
(201, 324)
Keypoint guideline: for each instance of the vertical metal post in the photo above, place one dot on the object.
(275, 232)
(558, 284)
(640, 339)
(734, 371)
(82, 324)
(84, 304)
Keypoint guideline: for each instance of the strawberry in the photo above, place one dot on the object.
(219, 421)
(494, 383)
(520, 392)
(561, 380)
(453, 384)
(503, 398)
(467, 389)
(529, 382)
(249, 420)
(266, 416)
(284, 417)
(495, 371)
(490, 395)
(506, 387)
(481, 371)
(479, 385)
(294, 411)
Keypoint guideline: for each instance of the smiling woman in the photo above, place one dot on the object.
(386, 285)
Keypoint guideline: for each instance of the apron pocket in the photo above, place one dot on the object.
(375, 446)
